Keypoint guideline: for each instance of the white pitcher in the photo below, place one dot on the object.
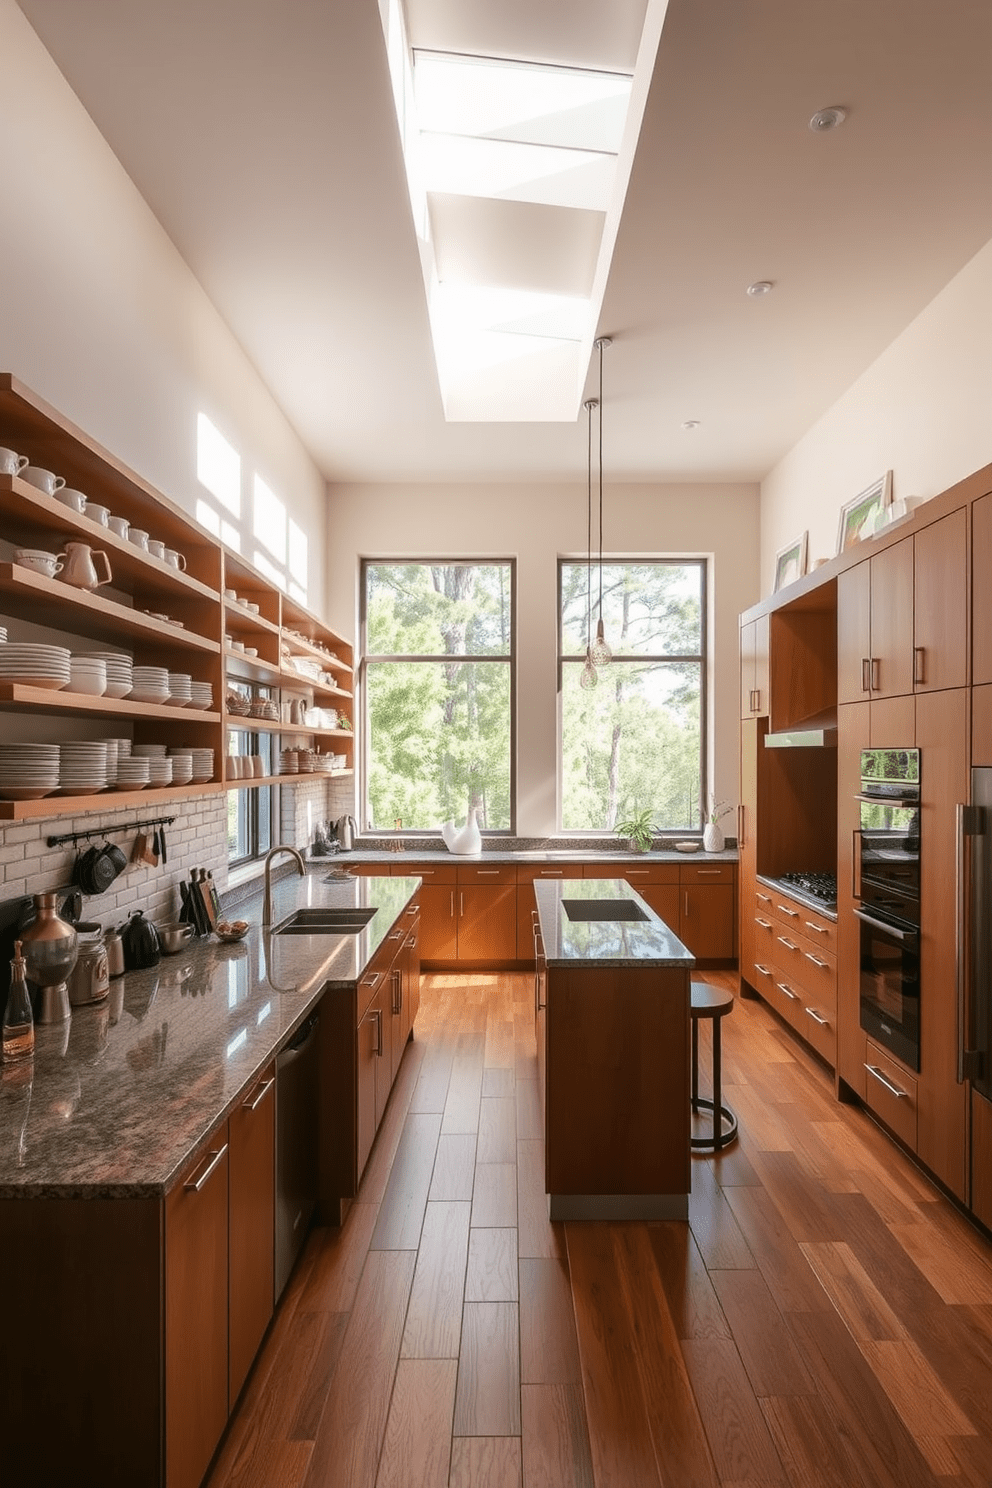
(466, 839)
(80, 566)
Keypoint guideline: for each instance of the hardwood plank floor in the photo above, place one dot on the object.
(823, 1321)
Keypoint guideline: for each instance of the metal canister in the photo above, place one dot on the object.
(114, 948)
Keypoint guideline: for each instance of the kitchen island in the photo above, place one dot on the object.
(136, 1185)
(612, 1015)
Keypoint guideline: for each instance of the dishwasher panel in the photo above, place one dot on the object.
(297, 1083)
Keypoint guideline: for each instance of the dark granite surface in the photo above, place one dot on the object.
(117, 1099)
(612, 943)
(549, 854)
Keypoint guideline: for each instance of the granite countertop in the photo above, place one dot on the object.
(604, 943)
(618, 854)
(118, 1097)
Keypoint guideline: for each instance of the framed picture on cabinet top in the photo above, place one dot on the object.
(862, 517)
(790, 561)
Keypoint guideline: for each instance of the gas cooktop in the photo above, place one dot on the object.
(818, 884)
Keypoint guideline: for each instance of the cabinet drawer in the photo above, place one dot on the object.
(819, 930)
(820, 1030)
(634, 873)
(534, 873)
(431, 873)
(811, 969)
(891, 1092)
(706, 873)
(498, 873)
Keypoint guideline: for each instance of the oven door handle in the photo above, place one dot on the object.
(887, 929)
(969, 822)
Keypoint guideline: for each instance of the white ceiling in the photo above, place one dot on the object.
(262, 134)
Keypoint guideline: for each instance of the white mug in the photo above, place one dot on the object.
(99, 514)
(139, 538)
(45, 480)
(38, 561)
(234, 767)
(156, 547)
(175, 560)
(11, 463)
(76, 500)
(119, 525)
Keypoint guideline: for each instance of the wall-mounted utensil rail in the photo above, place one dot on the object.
(126, 827)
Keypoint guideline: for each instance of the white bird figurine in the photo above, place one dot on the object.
(466, 839)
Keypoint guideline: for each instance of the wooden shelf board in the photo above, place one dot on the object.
(56, 806)
(66, 608)
(38, 699)
(242, 620)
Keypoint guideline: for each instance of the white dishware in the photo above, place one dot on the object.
(175, 559)
(98, 514)
(234, 767)
(119, 525)
(138, 538)
(11, 463)
(88, 676)
(156, 547)
(73, 499)
(231, 594)
(38, 561)
(83, 564)
(148, 751)
(44, 480)
(159, 770)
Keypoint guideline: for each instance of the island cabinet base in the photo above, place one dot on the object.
(617, 1092)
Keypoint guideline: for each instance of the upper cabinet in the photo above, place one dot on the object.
(754, 667)
(981, 588)
(902, 616)
(803, 661)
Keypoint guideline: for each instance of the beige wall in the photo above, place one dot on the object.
(536, 524)
(100, 315)
(923, 410)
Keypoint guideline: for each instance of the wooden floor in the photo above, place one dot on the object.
(824, 1319)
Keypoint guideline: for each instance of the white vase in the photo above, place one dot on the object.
(713, 839)
(467, 839)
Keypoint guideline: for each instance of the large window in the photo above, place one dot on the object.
(438, 687)
(635, 741)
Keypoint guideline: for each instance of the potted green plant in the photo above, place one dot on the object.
(638, 830)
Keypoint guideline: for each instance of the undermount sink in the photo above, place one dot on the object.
(324, 922)
(603, 909)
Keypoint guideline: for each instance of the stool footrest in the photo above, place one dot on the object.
(728, 1126)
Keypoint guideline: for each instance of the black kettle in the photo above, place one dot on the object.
(140, 941)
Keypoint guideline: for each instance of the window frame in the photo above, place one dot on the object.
(251, 796)
(640, 560)
(503, 659)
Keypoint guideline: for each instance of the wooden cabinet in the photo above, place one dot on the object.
(528, 874)
(981, 725)
(940, 609)
(252, 1225)
(803, 660)
(657, 884)
(438, 934)
(981, 1158)
(706, 910)
(404, 991)
(754, 667)
(196, 1315)
(981, 590)
(487, 914)
(875, 626)
(372, 1060)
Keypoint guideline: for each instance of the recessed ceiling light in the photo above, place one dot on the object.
(690, 424)
(760, 287)
(828, 118)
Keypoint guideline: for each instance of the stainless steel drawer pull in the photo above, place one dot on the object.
(263, 1090)
(764, 898)
(765, 924)
(919, 667)
(703, 872)
(892, 1089)
(818, 1018)
(396, 935)
(788, 991)
(865, 674)
(488, 872)
(763, 969)
(195, 1184)
(818, 928)
(461, 905)
(789, 944)
(377, 1015)
(551, 873)
(823, 965)
(637, 872)
(792, 913)
(408, 945)
(372, 980)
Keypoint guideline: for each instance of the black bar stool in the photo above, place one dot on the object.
(711, 1002)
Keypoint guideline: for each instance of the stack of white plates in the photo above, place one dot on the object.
(119, 670)
(159, 770)
(182, 766)
(112, 756)
(88, 674)
(34, 663)
(203, 765)
(202, 694)
(150, 685)
(180, 689)
(82, 767)
(28, 771)
(148, 751)
(132, 774)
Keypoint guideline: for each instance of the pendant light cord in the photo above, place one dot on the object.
(590, 405)
(600, 343)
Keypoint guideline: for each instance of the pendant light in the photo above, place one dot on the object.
(589, 677)
(600, 655)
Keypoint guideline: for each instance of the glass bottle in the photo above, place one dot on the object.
(18, 1022)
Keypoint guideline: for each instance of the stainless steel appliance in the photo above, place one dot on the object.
(346, 830)
(296, 1146)
(975, 934)
(888, 887)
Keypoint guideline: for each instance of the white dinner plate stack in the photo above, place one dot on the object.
(203, 765)
(202, 694)
(132, 772)
(159, 770)
(28, 771)
(180, 689)
(35, 664)
(148, 751)
(82, 767)
(112, 756)
(120, 670)
(88, 674)
(150, 685)
(182, 766)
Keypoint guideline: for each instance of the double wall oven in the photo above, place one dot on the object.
(887, 888)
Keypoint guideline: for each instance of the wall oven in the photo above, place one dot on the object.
(888, 890)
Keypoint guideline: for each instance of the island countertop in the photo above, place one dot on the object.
(609, 942)
(118, 1097)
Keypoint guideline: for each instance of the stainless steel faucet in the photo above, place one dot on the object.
(282, 848)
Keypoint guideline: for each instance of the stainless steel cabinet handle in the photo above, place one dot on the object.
(792, 913)
(886, 929)
(875, 674)
(892, 1089)
(788, 991)
(765, 898)
(409, 944)
(754, 700)
(488, 872)
(763, 969)
(377, 1015)
(855, 864)
(396, 935)
(969, 822)
(765, 924)
(263, 1090)
(461, 905)
(819, 929)
(740, 826)
(818, 1018)
(637, 872)
(397, 1001)
(550, 873)
(823, 965)
(452, 911)
(193, 1185)
(686, 911)
(374, 980)
(703, 872)
(919, 669)
(790, 945)
(865, 674)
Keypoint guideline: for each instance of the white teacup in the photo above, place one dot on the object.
(76, 500)
(175, 560)
(139, 538)
(156, 547)
(100, 514)
(231, 594)
(38, 561)
(11, 463)
(234, 767)
(119, 525)
(45, 480)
